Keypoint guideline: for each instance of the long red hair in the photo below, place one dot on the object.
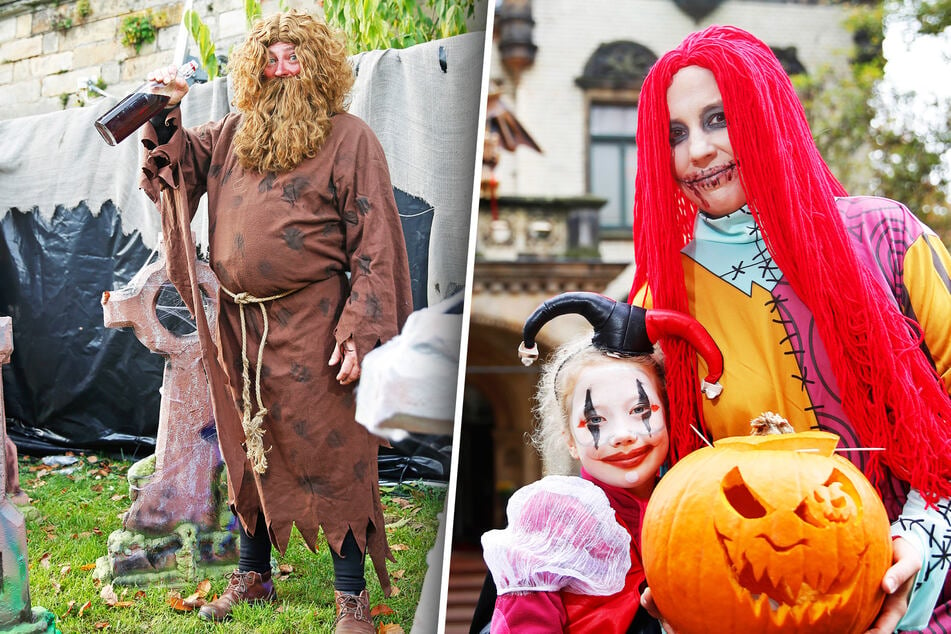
(889, 390)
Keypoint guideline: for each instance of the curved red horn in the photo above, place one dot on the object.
(661, 323)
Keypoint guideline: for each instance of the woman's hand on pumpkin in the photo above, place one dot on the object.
(647, 602)
(897, 585)
(345, 353)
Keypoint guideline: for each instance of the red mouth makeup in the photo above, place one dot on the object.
(629, 459)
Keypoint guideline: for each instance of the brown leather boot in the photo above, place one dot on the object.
(353, 614)
(252, 587)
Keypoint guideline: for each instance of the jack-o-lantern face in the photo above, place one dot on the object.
(766, 534)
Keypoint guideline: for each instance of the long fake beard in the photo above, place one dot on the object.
(286, 126)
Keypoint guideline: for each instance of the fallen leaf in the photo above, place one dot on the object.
(92, 459)
(65, 570)
(389, 628)
(108, 594)
(395, 591)
(69, 608)
(381, 608)
(175, 600)
(96, 488)
(399, 547)
(286, 568)
(398, 574)
(398, 523)
(280, 610)
(101, 625)
(117, 497)
(140, 594)
(86, 606)
(97, 531)
(56, 586)
(85, 567)
(124, 604)
(204, 587)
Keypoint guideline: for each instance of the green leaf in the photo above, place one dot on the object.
(252, 11)
(202, 38)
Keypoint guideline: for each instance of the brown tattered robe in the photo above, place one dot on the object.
(273, 233)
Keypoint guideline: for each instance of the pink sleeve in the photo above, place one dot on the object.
(529, 613)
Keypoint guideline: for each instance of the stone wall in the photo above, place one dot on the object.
(48, 51)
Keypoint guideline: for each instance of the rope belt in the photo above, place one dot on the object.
(253, 425)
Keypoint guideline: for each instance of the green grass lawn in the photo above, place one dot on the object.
(73, 515)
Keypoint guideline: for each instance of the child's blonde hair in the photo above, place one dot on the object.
(557, 383)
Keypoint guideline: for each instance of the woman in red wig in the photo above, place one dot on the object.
(834, 311)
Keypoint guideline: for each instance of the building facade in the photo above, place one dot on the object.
(559, 219)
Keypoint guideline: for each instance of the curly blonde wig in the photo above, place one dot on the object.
(556, 384)
(287, 120)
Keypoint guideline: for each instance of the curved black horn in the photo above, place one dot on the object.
(618, 326)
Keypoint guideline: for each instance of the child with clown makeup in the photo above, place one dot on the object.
(569, 559)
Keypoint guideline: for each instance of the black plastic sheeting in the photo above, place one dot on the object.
(417, 456)
(73, 384)
(416, 218)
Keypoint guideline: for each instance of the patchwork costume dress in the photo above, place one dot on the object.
(775, 361)
(283, 246)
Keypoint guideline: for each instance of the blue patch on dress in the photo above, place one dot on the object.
(731, 248)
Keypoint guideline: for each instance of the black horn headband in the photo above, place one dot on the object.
(625, 329)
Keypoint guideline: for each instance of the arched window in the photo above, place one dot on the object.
(612, 82)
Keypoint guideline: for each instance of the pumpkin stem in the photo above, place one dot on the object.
(770, 423)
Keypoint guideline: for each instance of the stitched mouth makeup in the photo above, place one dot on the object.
(712, 178)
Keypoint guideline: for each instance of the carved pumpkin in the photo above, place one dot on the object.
(766, 534)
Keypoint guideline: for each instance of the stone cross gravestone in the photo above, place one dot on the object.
(16, 614)
(174, 524)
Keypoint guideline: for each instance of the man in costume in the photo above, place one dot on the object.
(305, 238)
(831, 310)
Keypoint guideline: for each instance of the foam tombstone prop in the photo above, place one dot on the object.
(771, 533)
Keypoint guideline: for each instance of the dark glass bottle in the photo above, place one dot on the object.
(138, 107)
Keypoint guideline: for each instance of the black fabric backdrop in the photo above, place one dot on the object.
(73, 384)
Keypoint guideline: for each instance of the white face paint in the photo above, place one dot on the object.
(618, 424)
(702, 153)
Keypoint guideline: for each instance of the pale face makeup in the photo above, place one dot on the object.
(702, 156)
(618, 425)
(281, 61)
